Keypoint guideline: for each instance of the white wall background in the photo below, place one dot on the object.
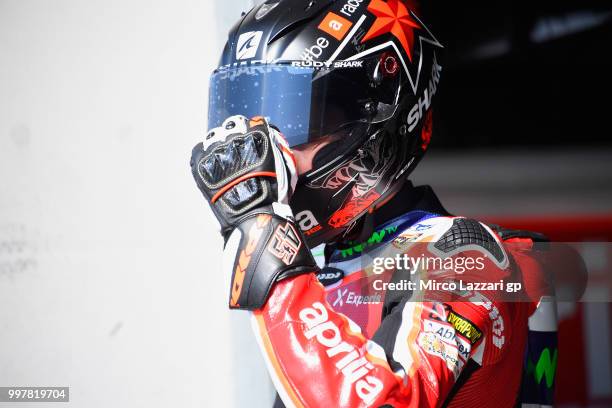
(109, 273)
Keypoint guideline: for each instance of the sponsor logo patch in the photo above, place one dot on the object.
(335, 25)
(404, 238)
(315, 51)
(248, 44)
(444, 313)
(449, 336)
(348, 297)
(464, 327)
(356, 370)
(498, 338)
(307, 222)
(328, 275)
(244, 260)
(433, 344)
(350, 7)
(421, 107)
(376, 238)
(285, 243)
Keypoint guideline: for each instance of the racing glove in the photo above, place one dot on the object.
(246, 172)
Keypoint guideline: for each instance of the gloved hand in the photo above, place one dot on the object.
(246, 172)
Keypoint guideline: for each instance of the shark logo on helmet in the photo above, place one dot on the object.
(248, 44)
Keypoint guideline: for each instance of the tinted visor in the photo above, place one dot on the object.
(305, 103)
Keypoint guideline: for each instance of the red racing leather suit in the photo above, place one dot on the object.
(326, 348)
(413, 350)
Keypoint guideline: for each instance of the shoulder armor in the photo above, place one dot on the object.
(467, 232)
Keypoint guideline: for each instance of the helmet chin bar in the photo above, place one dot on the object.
(360, 228)
(364, 225)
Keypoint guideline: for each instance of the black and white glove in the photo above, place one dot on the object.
(246, 172)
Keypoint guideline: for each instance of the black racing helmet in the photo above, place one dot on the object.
(362, 72)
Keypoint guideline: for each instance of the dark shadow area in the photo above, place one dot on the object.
(524, 74)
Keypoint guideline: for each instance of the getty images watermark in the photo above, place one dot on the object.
(427, 268)
(518, 272)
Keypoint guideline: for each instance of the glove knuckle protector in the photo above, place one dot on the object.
(242, 173)
(235, 174)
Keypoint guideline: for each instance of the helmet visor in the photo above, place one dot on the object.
(305, 103)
